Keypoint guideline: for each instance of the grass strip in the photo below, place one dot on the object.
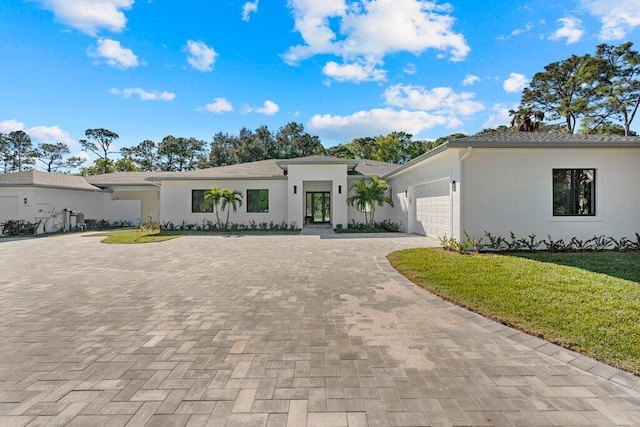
(125, 237)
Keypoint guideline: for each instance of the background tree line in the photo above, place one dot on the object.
(592, 94)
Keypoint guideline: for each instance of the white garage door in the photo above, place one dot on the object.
(433, 209)
(8, 208)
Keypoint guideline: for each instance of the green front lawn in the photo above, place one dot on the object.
(132, 236)
(138, 236)
(587, 302)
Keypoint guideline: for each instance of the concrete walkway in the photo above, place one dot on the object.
(269, 330)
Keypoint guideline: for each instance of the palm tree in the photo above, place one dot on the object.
(231, 199)
(214, 197)
(366, 197)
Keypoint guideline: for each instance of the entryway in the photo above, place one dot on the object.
(318, 207)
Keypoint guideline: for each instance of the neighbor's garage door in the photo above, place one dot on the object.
(433, 209)
(8, 208)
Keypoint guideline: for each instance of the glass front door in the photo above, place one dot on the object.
(319, 207)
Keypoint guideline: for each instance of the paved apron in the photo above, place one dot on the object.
(269, 330)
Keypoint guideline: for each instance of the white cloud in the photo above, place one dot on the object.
(353, 72)
(219, 105)
(515, 83)
(470, 79)
(442, 100)
(90, 16)
(370, 30)
(410, 69)
(377, 122)
(114, 54)
(8, 126)
(144, 95)
(269, 108)
(38, 134)
(570, 30)
(528, 27)
(618, 18)
(500, 117)
(50, 135)
(201, 57)
(248, 8)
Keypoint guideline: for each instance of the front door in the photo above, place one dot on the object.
(319, 207)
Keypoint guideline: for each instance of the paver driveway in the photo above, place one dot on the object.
(269, 330)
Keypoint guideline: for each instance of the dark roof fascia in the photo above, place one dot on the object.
(540, 144)
(439, 149)
(140, 184)
(218, 178)
(58, 187)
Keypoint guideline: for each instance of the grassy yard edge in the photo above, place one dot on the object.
(631, 365)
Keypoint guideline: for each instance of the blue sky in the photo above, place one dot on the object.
(149, 68)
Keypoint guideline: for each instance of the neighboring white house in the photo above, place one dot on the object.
(562, 185)
(55, 199)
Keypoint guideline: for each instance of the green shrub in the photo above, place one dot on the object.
(19, 227)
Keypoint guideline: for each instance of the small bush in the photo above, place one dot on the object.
(514, 244)
(496, 243)
(385, 226)
(103, 223)
(599, 243)
(596, 243)
(19, 227)
(554, 245)
(530, 243)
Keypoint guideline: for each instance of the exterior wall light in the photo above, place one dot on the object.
(339, 189)
(295, 189)
(453, 186)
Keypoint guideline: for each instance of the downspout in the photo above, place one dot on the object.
(464, 156)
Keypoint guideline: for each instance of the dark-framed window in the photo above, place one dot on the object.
(258, 201)
(574, 192)
(198, 202)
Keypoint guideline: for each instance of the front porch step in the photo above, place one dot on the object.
(317, 230)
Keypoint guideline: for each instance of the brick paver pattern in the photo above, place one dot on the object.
(270, 331)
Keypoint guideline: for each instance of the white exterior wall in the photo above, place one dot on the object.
(40, 202)
(511, 190)
(298, 175)
(149, 200)
(175, 200)
(445, 165)
(122, 210)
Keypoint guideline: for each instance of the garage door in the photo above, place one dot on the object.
(8, 208)
(433, 209)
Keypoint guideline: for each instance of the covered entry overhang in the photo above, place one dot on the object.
(317, 189)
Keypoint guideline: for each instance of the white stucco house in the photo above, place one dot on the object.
(546, 184)
(562, 185)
